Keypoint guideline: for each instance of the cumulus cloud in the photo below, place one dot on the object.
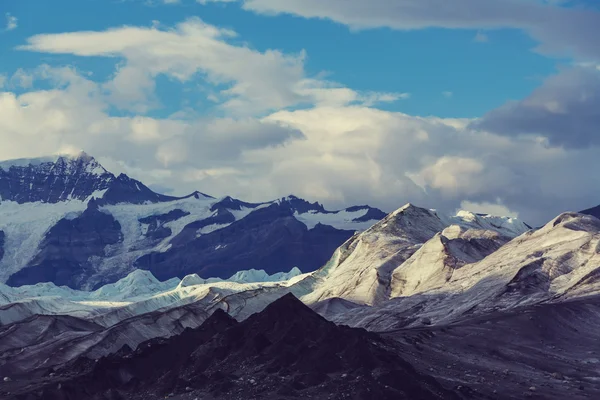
(336, 154)
(564, 110)
(572, 31)
(76, 114)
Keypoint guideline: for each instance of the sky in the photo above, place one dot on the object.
(488, 105)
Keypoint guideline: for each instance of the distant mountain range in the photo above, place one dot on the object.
(69, 221)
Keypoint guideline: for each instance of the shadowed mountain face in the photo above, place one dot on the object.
(63, 255)
(269, 238)
(547, 351)
(285, 351)
(594, 211)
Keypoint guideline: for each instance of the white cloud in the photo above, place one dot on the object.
(339, 155)
(489, 208)
(11, 22)
(268, 80)
(453, 176)
(560, 30)
(447, 94)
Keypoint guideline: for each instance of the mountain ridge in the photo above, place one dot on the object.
(52, 208)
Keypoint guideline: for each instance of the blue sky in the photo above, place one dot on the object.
(428, 64)
(485, 102)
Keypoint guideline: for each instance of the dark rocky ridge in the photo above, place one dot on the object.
(35, 347)
(53, 181)
(269, 238)
(285, 351)
(594, 211)
(156, 229)
(64, 255)
(372, 213)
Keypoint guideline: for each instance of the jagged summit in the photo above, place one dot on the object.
(72, 176)
(53, 179)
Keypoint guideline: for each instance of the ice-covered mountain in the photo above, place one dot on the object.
(364, 268)
(555, 264)
(410, 251)
(67, 220)
(138, 293)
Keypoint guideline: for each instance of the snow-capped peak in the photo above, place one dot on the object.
(361, 270)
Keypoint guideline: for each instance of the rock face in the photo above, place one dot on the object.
(285, 351)
(52, 179)
(65, 252)
(269, 238)
(156, 224)
(594, 211)
(72, 177)
(67, 220)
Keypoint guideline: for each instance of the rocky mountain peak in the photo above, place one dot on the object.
(53, 179)
(64, 177)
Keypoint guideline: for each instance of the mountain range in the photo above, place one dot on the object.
(67, 220)
(412, 304)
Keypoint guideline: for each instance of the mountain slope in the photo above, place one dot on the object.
(285, 351)
(434, 264)
(361, 270)
(557, 263)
